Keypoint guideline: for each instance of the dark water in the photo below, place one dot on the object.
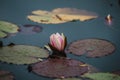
(16, 11)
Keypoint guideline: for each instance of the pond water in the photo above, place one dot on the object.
(16, 11)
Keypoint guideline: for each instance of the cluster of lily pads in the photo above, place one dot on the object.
(57, 65)
(52, 61)
(8, 29)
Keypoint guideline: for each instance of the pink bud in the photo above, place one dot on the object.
(57, 41)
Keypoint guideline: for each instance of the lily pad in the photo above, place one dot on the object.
(6, 75)
(69, 79)
(91, 47)
(102, 76)
(22, 54)
(58, 68)
(7, 28)
(30, 29)
(61, 15)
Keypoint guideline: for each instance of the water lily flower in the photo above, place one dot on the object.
(109, 19)
(58, 41)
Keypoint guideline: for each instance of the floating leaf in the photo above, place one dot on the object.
(45, 19)
(102, 76)
(92, 47)
(22, 54)
(59, 68)
(74, 14)
(69, 79)
(61, 15)
(6, 28)
(30, 29)
(6, 75)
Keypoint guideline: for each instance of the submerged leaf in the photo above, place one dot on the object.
(102, 76)
(6, 28)
(59, 68)
(22, 54)
(91, 47)
(6, 75)
(61, 15)
(30, 29)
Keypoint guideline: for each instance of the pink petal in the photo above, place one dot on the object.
(51, 39)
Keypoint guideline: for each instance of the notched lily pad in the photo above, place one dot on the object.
(91, 47)
(6, 75)
(7, 28)
(61, 15)
(30, 29)
(22, 54)
(102, 76)
(58, 68)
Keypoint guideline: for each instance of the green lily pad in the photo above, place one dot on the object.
(7, 27)
(2, 34)
(102, 76)
(22, 54)
(6, 75)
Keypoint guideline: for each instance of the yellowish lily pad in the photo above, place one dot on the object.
(61, 15)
